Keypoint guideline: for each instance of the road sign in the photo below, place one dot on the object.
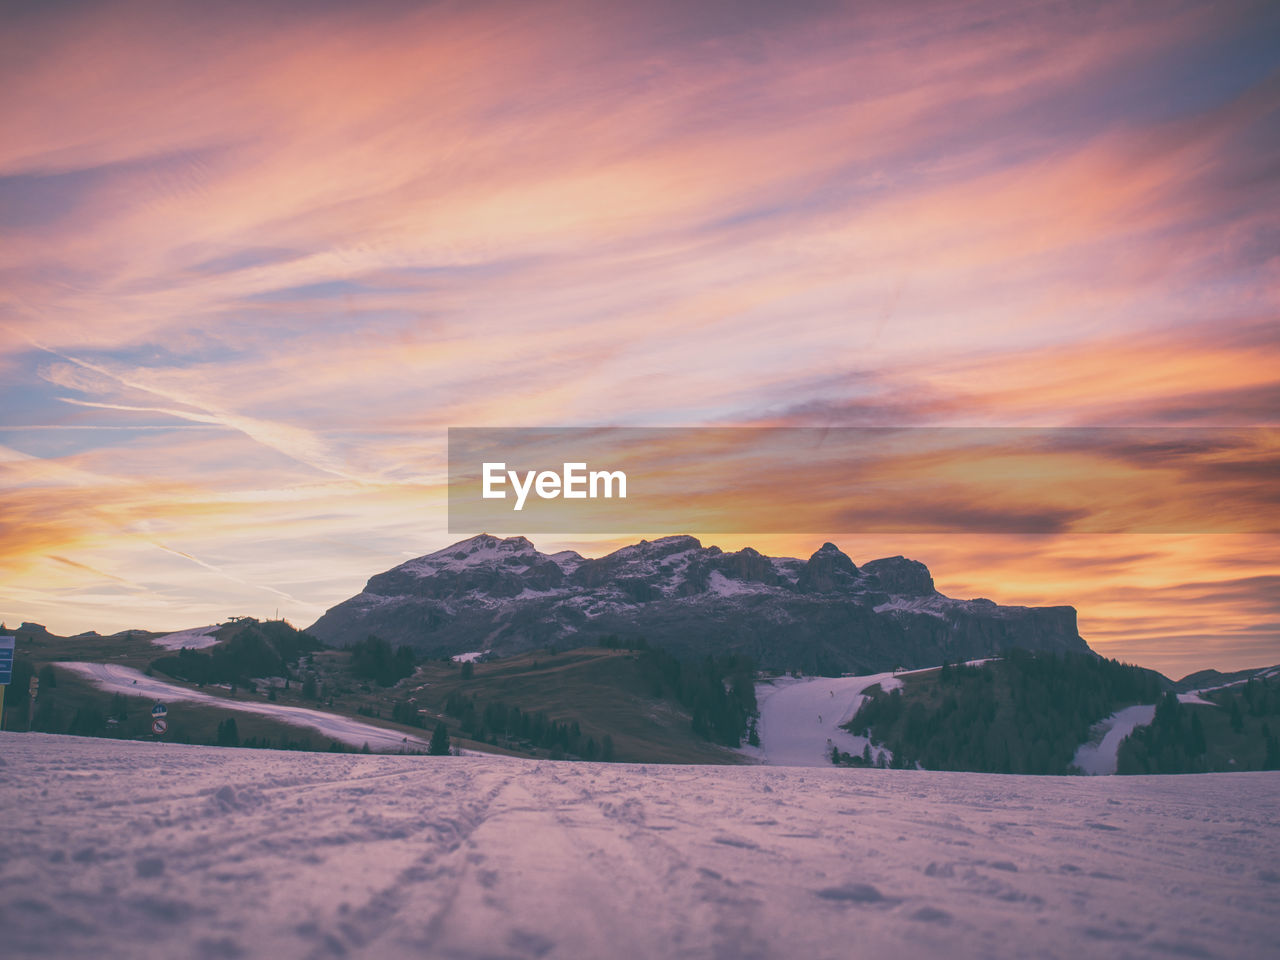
(6, 658)
(159, 710)
(159, 725)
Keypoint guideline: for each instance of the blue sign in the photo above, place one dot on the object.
(159, 710)
(6, 658)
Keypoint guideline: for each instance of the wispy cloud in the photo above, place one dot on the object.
(314, 236)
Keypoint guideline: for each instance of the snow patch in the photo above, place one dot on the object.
(195, 639)
(118, 679)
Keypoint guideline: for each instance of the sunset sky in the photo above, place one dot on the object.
(256, 258)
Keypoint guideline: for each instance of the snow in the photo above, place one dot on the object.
(1098, 756)
(926, 605)
(471, 657)
(723, 586)
(118, 679)
(800, 718)
(1194, 697)
(567, 560)
(123, 850)
(476, 551)
(195, 639)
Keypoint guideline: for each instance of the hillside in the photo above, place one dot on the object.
(1026, 713)
(278, 686)
(1239, 729)
(824, 615)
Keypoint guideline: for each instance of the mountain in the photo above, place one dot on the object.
(1216, 679)
(821, 615)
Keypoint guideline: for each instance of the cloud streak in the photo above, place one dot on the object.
(322, 234)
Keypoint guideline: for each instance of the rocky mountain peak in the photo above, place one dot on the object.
(898, 575)
(828, 569)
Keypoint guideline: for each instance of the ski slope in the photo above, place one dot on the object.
(118, 679)
(197, 638)
(1100, 758)
(1100, 755)
(800, 718)
(119, 849)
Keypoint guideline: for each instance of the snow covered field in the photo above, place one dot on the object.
(117, 679)
(118, 849)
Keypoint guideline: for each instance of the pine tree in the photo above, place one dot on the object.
(1197, 745)
(228, 733)
(1237, 720)
(439, 740)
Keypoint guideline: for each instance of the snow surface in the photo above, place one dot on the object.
(720, 585)
(1195, 697)
(1098, 756)
(122, 849)
(115, 678)
(476, 551)
(195, 639)
(471, 657)
(933, 606)
(800, 718)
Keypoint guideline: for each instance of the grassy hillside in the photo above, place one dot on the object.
(606, 693)
(71, 704)
(600, 693)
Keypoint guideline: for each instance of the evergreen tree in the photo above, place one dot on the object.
(439, 740)
(1237, 719)
(228, 733)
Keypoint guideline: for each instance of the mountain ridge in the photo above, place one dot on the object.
(821, 615)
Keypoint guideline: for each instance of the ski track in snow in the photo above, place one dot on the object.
(118, 679)
(118, 849)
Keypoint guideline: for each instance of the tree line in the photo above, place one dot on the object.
(266, 649)
(719, 692)
(1026, 713)
(1238, 733)
(498, 722)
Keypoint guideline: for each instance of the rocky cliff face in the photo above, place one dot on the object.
(823, 615)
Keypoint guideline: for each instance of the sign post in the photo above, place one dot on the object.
(6, 669)
(158, 722)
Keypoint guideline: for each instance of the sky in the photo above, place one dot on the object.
(256, 259)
